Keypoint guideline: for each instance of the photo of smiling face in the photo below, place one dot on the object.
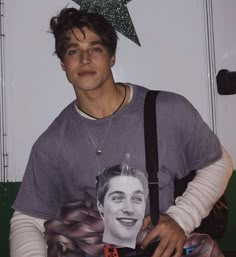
(123, 210)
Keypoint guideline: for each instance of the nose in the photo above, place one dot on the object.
(128, 206)
(85, 57)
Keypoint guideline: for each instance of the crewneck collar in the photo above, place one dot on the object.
(91, 118)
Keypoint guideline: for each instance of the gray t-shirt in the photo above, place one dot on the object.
(63, 163)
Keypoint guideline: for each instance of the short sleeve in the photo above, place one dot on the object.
(203, 146)
(186, 142)
(38, 195)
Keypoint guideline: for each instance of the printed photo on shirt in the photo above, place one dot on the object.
(121, 200)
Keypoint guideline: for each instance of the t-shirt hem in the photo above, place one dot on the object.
(29, 212)
(201, 164)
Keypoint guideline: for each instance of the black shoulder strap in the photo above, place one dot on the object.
(151, 152)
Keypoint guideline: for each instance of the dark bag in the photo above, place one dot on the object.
(215, 223)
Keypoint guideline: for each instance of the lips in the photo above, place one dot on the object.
(86, 73)
(127, 221)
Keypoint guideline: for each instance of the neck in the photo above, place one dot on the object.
(104, 102)
(115, 240)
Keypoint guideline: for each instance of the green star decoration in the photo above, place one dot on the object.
(116, 12)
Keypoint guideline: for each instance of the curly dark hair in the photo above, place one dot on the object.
(70, 18)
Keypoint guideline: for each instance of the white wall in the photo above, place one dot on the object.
(172, 57)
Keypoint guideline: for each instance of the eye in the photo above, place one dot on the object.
(117, 198)
(72, 51)
(96, 50)
(137, 199)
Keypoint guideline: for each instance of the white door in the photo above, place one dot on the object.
(224, 23)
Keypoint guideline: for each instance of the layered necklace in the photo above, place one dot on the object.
(99, 148)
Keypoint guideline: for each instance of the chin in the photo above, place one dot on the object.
(86, 87)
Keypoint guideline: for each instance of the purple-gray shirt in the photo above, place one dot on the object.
(63, 163)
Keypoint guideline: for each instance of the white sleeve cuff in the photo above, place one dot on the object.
(26, 236)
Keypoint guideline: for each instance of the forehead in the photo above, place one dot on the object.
(76, 35)
(125, 184)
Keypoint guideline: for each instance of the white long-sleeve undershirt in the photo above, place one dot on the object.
(26, 234)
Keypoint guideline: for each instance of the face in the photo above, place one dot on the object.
(123, 209)
(87, 63)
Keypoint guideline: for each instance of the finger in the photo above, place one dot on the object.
(151, 236)
(168, 252)
(178, 250)
(146, 222)
(160, 248)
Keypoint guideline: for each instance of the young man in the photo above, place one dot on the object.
(104, 123)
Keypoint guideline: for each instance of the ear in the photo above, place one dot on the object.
(100, 208)
(112, 60)
(62, 66)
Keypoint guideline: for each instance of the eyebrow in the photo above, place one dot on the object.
(95, 42)
(71, 45)
(116, 192)
(123, 193)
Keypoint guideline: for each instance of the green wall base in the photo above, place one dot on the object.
(8, 193)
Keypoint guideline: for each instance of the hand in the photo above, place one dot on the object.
(172, 236)
(205, 246)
